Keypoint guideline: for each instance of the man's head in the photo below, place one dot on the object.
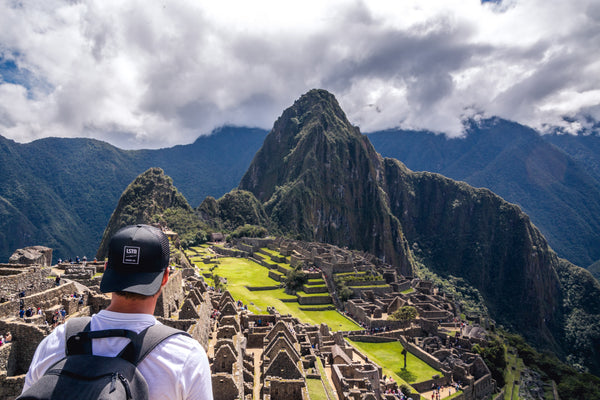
(138, 256)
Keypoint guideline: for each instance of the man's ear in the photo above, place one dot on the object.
(165, 277)
(105, 265)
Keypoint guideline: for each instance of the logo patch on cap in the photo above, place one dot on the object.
(131, 255)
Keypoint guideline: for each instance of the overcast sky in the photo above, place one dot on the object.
(149, 74)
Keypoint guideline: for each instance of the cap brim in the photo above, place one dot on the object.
(145, 283)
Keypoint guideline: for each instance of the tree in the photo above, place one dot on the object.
(344, 292)
(404, 314)
(295, 280)
(218, 282)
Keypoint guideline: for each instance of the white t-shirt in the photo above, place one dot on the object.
(177, 369)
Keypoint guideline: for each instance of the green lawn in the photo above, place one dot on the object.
(269, 251)
(241, 272)
(389, 356)
(511, 376)
(316, 391)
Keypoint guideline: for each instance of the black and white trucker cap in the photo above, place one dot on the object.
(137, 258)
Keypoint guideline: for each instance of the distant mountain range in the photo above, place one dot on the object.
(555, 179)
(61, 193)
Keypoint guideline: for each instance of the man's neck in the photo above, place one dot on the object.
(122, 305)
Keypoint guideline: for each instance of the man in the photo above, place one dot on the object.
(136, 271)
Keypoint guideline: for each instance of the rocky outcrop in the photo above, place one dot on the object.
(39, 255)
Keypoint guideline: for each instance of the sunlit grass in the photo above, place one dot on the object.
(241, 273)
(389, 356)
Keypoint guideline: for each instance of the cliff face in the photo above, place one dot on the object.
(475, 234)
(146, 198)
(320, 179)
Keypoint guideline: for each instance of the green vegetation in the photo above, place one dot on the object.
(469, 297)
(248, 231)
(389, 356)
(571, 384)
(494, 357)
(235, 209)
(294, 280)
(316, 391)
(404, 314)
(324, 380)
(151, 198)
(363, 276)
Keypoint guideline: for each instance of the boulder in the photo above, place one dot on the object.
(39, 255)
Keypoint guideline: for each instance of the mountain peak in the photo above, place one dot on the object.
(319, 179)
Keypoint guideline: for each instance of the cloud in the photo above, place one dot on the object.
(153, 74)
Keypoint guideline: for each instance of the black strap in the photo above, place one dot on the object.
(79, 338)
(148, 339)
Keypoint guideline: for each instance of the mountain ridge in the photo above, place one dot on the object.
(61, 192)
(557, 191)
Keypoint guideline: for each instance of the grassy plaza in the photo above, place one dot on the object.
(389, 356)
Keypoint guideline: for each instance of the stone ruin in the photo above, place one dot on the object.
(184, 304)
(435, 336)
(268, 356)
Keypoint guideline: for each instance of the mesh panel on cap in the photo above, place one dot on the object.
(164, 242)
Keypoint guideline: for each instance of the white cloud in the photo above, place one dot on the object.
(154, 74)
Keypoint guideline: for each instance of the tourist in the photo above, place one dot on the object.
(57, 280)
(178, 368)
(8, 337)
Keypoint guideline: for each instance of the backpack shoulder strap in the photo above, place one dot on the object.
(78, 335)
(147, 340)
(72, 328)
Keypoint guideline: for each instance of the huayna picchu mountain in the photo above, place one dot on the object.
(321, 180)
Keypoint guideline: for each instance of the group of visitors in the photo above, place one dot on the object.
(437, 391)
(29, 312)
(77, 260)
(59, 317)
(5, 338)
(241, 306)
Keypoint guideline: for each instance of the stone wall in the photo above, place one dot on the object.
(313, 300)
(224, 387)
(31, 280)
(426, 385)
(6, 351)
(50, 297)
(171, 297)
(227, 252)
(421, 354)
(26, 337)
(10, 386)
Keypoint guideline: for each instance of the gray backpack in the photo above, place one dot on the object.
(82, 375)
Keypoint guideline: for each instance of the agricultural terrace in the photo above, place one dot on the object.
(250, 282)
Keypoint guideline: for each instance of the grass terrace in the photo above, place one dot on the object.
(242, 273)
(388, 356)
